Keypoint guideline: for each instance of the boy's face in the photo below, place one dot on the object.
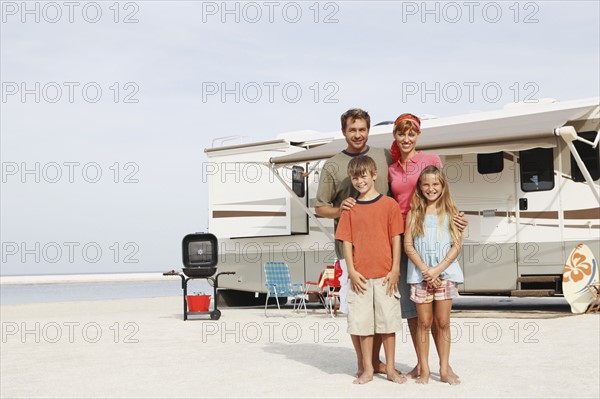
(364, 183)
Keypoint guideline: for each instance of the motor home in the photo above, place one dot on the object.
(527, 177)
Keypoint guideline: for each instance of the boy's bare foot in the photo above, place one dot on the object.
(380, 368)
(450, 378)
(423, 378)
(364, 378)
(414, 373)
(396, 377)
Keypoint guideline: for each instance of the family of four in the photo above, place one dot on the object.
(399, 250)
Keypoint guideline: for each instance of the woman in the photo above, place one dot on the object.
(403, 174)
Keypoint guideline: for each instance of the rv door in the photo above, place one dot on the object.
(540, 247)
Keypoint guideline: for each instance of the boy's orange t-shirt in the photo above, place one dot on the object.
(370, 226)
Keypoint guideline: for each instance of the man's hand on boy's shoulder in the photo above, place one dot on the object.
(391, 280)
(358, 282)
(347, 204)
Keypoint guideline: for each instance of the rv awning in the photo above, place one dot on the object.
(512, 129)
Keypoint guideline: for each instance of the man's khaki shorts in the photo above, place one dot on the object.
(373, 311)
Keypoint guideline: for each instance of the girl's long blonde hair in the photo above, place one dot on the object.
(445, 206)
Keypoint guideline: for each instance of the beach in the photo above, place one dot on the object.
(142, 348)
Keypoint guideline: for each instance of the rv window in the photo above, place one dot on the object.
(588, 155)
(490, 163)
(537, 169)
(298, 185)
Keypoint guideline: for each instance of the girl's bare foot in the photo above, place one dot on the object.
(423, 378)
(359, 372)
(396, 377)
(364, 378)
(450, 378)
(452, 374)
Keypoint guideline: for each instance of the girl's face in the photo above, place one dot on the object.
(431, 187)
(406, 142)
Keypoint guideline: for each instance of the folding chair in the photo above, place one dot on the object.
(279, 284)
(594, 288)
(332, 287)
(327, 288)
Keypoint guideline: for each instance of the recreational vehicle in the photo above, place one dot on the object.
(526, 176)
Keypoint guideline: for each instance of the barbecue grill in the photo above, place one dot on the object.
(200, 258)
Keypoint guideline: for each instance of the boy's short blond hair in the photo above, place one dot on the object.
(360, 165)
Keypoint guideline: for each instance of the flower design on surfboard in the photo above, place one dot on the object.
(580, 271)
(578, 266)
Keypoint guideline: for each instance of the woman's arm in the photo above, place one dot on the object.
(460, 221)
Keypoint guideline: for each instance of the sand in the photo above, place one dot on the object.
(143, 348)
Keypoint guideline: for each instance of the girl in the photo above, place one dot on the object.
(403, 174)
(432, 245)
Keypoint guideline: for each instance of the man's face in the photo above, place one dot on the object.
(356, 135)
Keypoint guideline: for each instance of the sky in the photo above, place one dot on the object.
(107, 106)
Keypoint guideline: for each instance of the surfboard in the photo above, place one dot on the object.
(580, 271)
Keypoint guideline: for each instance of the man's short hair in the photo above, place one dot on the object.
(360, 165)
(353, 114)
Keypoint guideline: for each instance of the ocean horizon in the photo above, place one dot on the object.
(17, 290)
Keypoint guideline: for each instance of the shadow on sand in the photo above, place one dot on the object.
(328, 358)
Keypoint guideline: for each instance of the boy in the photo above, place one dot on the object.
(370, 232)
(336, 193)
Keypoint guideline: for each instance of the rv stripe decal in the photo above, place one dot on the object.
(576, 214)
(274, 201)
(244, 214)
(586, 214)
(540, 215)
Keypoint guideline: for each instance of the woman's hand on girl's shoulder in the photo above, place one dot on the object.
(460, 221)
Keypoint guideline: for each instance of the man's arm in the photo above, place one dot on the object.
(329, 212)
(332, 212)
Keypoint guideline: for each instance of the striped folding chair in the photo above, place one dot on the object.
(279, 284)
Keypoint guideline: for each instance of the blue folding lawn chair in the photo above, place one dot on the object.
(279, 284)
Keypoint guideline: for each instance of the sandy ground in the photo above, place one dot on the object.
(143, 348)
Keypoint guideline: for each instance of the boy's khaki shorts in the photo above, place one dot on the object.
(373, 311)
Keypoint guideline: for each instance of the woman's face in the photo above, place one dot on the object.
(406, 141)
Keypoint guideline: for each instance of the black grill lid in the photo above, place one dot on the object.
(200, 250)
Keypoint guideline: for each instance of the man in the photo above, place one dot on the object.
(336, 193)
